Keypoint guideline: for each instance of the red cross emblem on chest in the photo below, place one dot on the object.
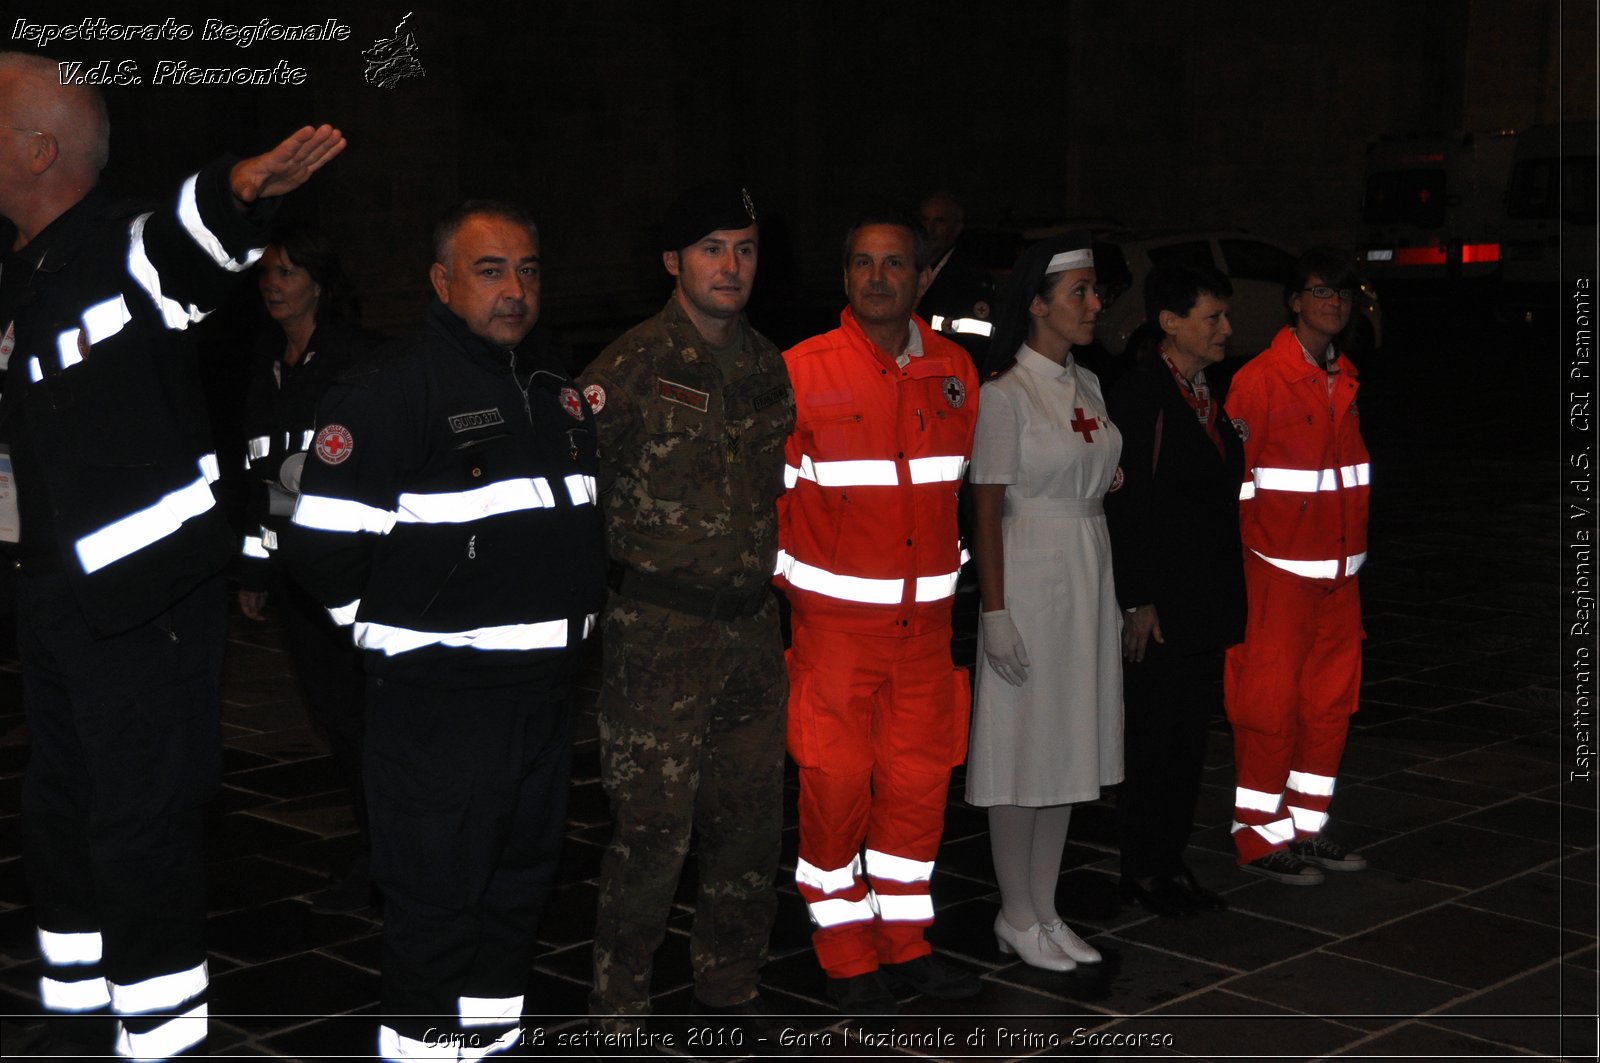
(1084, 426)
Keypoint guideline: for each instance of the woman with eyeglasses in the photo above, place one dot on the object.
(1291, 686)
(1047, 720)
(313, 338)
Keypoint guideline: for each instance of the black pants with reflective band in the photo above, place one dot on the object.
(1168, 703)
(467, 797)
(126, 752)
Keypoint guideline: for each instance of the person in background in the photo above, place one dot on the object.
(693, 408)
(959, 300)
(1047, 726)
(869, 555)
(118, 545)
(316, 338)
(1174, 526)
(1294, 682)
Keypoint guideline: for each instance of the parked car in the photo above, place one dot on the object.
(1257, 268)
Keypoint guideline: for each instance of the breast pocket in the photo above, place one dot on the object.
(683, 457)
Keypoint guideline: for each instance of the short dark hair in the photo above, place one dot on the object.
(899, 219)
(309, 248)
(445, 229)
(1177, 286)
(1336, 268)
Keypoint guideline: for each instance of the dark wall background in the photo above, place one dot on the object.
(1240, 113)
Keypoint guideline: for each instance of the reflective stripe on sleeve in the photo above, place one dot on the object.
(489, 1011)
(847, 588)
(269, 539)
(837, 912)
(70, 950)
(504, 1043)
(1306, 783)
(1247, 490)
(394, 1046)
(210, 468)
(582, 490)
(189, 215)
(1256, 800)
(836, 881)
(138, 530)
(345, 615)
(254, 547)
(1353, 563)
(256, 449)
(947, 468)
(306, 437)
(88, 994)
(1356, 475)
(324, 513)
(164, 992)
(176, 315)
(898, 868)
(35, 371)
(105, 319)
(490, 500)
(67, 348)
(905, 908)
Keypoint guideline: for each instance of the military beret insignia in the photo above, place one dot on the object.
(334, 444)
(955, 392)
(595, 396)
(1242, 428)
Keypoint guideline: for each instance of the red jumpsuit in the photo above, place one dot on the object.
(869, 555)
(1294, 681)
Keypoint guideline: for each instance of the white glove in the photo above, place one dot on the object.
(1002, 644)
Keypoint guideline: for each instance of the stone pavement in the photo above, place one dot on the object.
(1472, 934)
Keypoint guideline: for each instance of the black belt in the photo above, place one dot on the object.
(668, 593)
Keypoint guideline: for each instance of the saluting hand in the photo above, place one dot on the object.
(287, 166)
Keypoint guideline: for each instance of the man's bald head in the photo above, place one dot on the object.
(55, 141)
(32, 96)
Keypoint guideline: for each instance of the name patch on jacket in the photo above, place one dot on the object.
(767, 398)
(684, 395)
(466, 422)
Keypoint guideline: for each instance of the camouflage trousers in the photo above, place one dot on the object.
(692, 724)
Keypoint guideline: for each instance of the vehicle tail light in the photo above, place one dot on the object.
(1480, 253)
(1419, 256)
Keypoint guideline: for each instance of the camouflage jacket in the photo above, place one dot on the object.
(691, 450)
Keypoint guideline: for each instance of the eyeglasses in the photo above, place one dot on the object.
(20, 129)
(1322, 291)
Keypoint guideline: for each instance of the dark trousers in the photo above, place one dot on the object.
(1167, 703)
(467, 795)
(126, 751)
(328, 667)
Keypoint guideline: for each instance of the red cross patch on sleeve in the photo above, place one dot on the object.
(334, 444)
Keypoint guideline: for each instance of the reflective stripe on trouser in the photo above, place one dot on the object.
(875, 725)
(126, 751)
(466, 801)
(1290, 688)
(691, 718)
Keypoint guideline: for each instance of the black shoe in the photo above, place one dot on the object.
(1281, 865)
(1327, 853)
(932, 978)
(862, 995)
(752, 1016)
(1198, 897)
(1160, 896)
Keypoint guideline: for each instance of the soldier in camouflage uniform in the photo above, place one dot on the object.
(693, 408)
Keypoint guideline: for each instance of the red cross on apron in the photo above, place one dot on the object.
(1084, 425)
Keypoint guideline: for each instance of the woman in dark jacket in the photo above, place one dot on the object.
(1176, 558)
(315, 338)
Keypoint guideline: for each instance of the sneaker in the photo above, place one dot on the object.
(932, 978)
(1281, 865)
(862, 995)
(1327, 853)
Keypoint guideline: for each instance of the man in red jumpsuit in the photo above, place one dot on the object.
(869, 556)
(1294, 681)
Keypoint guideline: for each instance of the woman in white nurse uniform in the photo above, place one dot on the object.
(1047, 724)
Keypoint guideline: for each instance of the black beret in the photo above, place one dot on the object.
(703, 210)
